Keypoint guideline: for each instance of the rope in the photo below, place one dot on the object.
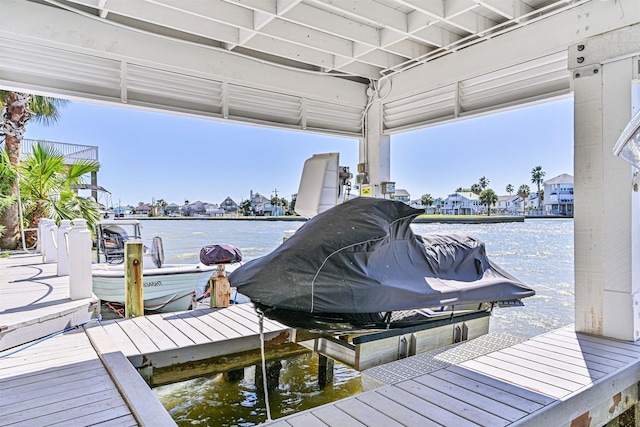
(264, 363)
(70, 328)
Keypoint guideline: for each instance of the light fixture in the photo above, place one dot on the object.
(628, 147)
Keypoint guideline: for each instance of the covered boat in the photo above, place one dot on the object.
(359, 266)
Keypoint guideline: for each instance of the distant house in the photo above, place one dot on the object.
(558, 195)
(258, 202)
(270, 210)
(143, 209)
(120, 211)
(507, 205)
(462, 203)
(212, 209)
(229, 206)
(434, 209)
(196, 208)
(172, 210)
(402, 195)
(529, 204)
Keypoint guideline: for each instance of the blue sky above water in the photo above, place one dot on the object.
(147, 155)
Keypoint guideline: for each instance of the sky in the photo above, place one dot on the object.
(147, 156)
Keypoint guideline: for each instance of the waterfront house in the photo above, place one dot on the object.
(212, 209)
(172, 209)
(258, 202)
(507, 205)
(558, 195)
(434, 209)
(194, 209)
(229, 206)
(143, 209)
(120, 211)
(402, 195)
(462, 203)
(529, 205)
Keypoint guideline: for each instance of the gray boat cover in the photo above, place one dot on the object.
(363, 257)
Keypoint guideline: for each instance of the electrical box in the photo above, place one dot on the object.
(388, 187)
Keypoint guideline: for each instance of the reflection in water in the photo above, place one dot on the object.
(212, 401)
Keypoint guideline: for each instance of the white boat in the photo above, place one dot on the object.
(166, 287)
(171, 287)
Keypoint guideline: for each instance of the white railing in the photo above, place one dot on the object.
(71, 152)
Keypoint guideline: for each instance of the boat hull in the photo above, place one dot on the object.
(166, 289)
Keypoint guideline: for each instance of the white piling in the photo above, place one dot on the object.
(63, 247)
(80, 260)
(48, 230)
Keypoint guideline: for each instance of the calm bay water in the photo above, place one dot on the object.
(538, 252)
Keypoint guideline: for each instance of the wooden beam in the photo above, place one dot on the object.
(181, 372)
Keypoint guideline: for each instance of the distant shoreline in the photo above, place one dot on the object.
(422, 219)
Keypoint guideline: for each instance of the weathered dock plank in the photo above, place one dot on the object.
(175, 346)
(575, 360)
(485, 401)
(183, 326)
(179, 338)
(222, 324)
(249, 312)
(491, 391)
(155, 334)
(552, 379)
(547, 387)
(395, 410)
(554, 351)
(141, 340)
(424, 407)
(122, 340)
(59, 381)
(332, 416)
(211, 332)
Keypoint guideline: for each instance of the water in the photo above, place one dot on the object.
(538, 252)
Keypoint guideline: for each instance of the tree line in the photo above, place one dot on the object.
(488, 197)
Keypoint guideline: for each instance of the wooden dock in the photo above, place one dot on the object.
(561, 378)
(62, 381)
(164, 340)
(88, 376)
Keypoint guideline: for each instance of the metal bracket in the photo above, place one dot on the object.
(588, 71)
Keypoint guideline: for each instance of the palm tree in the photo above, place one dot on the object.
(483, 182)
(161, 204)
(46, 188)
(245, 207)
(524, 192)
(476, 189)
(537, 175)
(18, 109)
(426, 200)
(285, 204)
(509, 189)
(7, 176)
(488, 197)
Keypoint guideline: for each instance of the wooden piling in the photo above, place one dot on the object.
(220, 289)
(325, 370)
(273, 376)
(134, 298)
